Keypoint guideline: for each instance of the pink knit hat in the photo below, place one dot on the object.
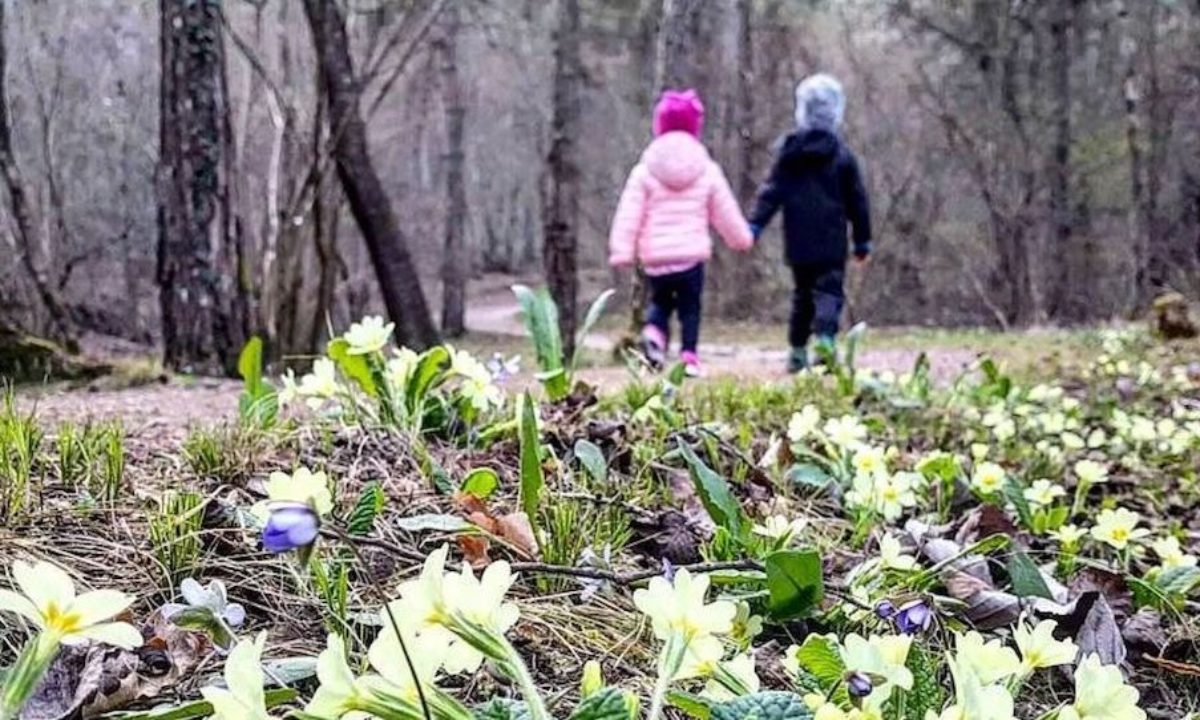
(679, 110)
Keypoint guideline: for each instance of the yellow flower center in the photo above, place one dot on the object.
(59, 621)
(1120, 534)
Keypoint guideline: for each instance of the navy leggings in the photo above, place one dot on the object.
(817, 301)
(677, 292)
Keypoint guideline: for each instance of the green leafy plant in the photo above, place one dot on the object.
(540, 315)
(258, 404)
(532, 479)
(795, 583)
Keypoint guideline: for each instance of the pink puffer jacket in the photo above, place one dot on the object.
(668, 203)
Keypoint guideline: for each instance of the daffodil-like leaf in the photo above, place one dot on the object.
(1026, 578)
(532, 480)
(714, 493)
(607, 704)
(430, 367)
(771, 705)
(1015, 494)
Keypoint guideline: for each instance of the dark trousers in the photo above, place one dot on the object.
(817, 301)
(678, 292)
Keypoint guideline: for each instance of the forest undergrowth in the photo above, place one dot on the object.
(407, 535)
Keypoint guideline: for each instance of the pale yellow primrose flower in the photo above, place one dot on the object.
(303, 486)
(679, 607)
(804, 423)
(742, 669)
(1069, 534)
(401, 365)
(429, 651)
(701, 658)
(479, 601)
(882, 655)
(1091, 472)
(988, 478)
(1118, 528)
(340, 693)
(369, 335)
(779, 527)
(1170, 554)
(974, 700)
(1101, 694)
(47, 599)
(1043, 493)
(242, 698)
(990, 662)
(1039, 649)
(870, 461)
(319, 385)
(846, 432)
(290, 391)
(892, 556)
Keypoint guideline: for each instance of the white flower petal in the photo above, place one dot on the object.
(100, 605)
(44, 584)
(19, 604)
(119, 634)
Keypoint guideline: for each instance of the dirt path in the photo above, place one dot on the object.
(167, 410)
(497, 312)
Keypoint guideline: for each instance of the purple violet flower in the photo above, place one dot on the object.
(913, 617)
(858, 685)
(290, 526)
(885, 610)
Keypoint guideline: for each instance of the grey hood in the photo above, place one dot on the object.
(820, 104)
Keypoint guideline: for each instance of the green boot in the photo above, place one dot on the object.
(797, 360)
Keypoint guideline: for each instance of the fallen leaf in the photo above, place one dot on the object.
(474, 549)
(1143, 633)
(1100, 634)
(516, 529)
(940, 550)
(1109, 584)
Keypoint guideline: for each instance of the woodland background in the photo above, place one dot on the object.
(190, 172)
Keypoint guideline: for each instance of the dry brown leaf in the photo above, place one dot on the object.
(515, 529)
(474, 549)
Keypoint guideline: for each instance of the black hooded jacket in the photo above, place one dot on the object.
(817, 183)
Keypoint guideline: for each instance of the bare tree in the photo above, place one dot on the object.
(22, 206)
(1070, 284)
(203, 321)
(454, 259)
(561, 193)
(388, 248)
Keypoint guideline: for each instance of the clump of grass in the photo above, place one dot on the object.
(110, 477)
(573, 526)
(227, 454)
(20, 442)
(72, 454)
(174, 532)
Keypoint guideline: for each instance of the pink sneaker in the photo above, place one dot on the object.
(691, 364)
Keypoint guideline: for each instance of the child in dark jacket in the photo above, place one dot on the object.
(817, 183)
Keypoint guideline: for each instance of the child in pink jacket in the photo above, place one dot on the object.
(672, 196)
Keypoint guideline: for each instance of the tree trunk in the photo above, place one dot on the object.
(198, 252)
(22, 209)
(397, 275)
(1069, 283)
(561, 194)
(454, 260)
